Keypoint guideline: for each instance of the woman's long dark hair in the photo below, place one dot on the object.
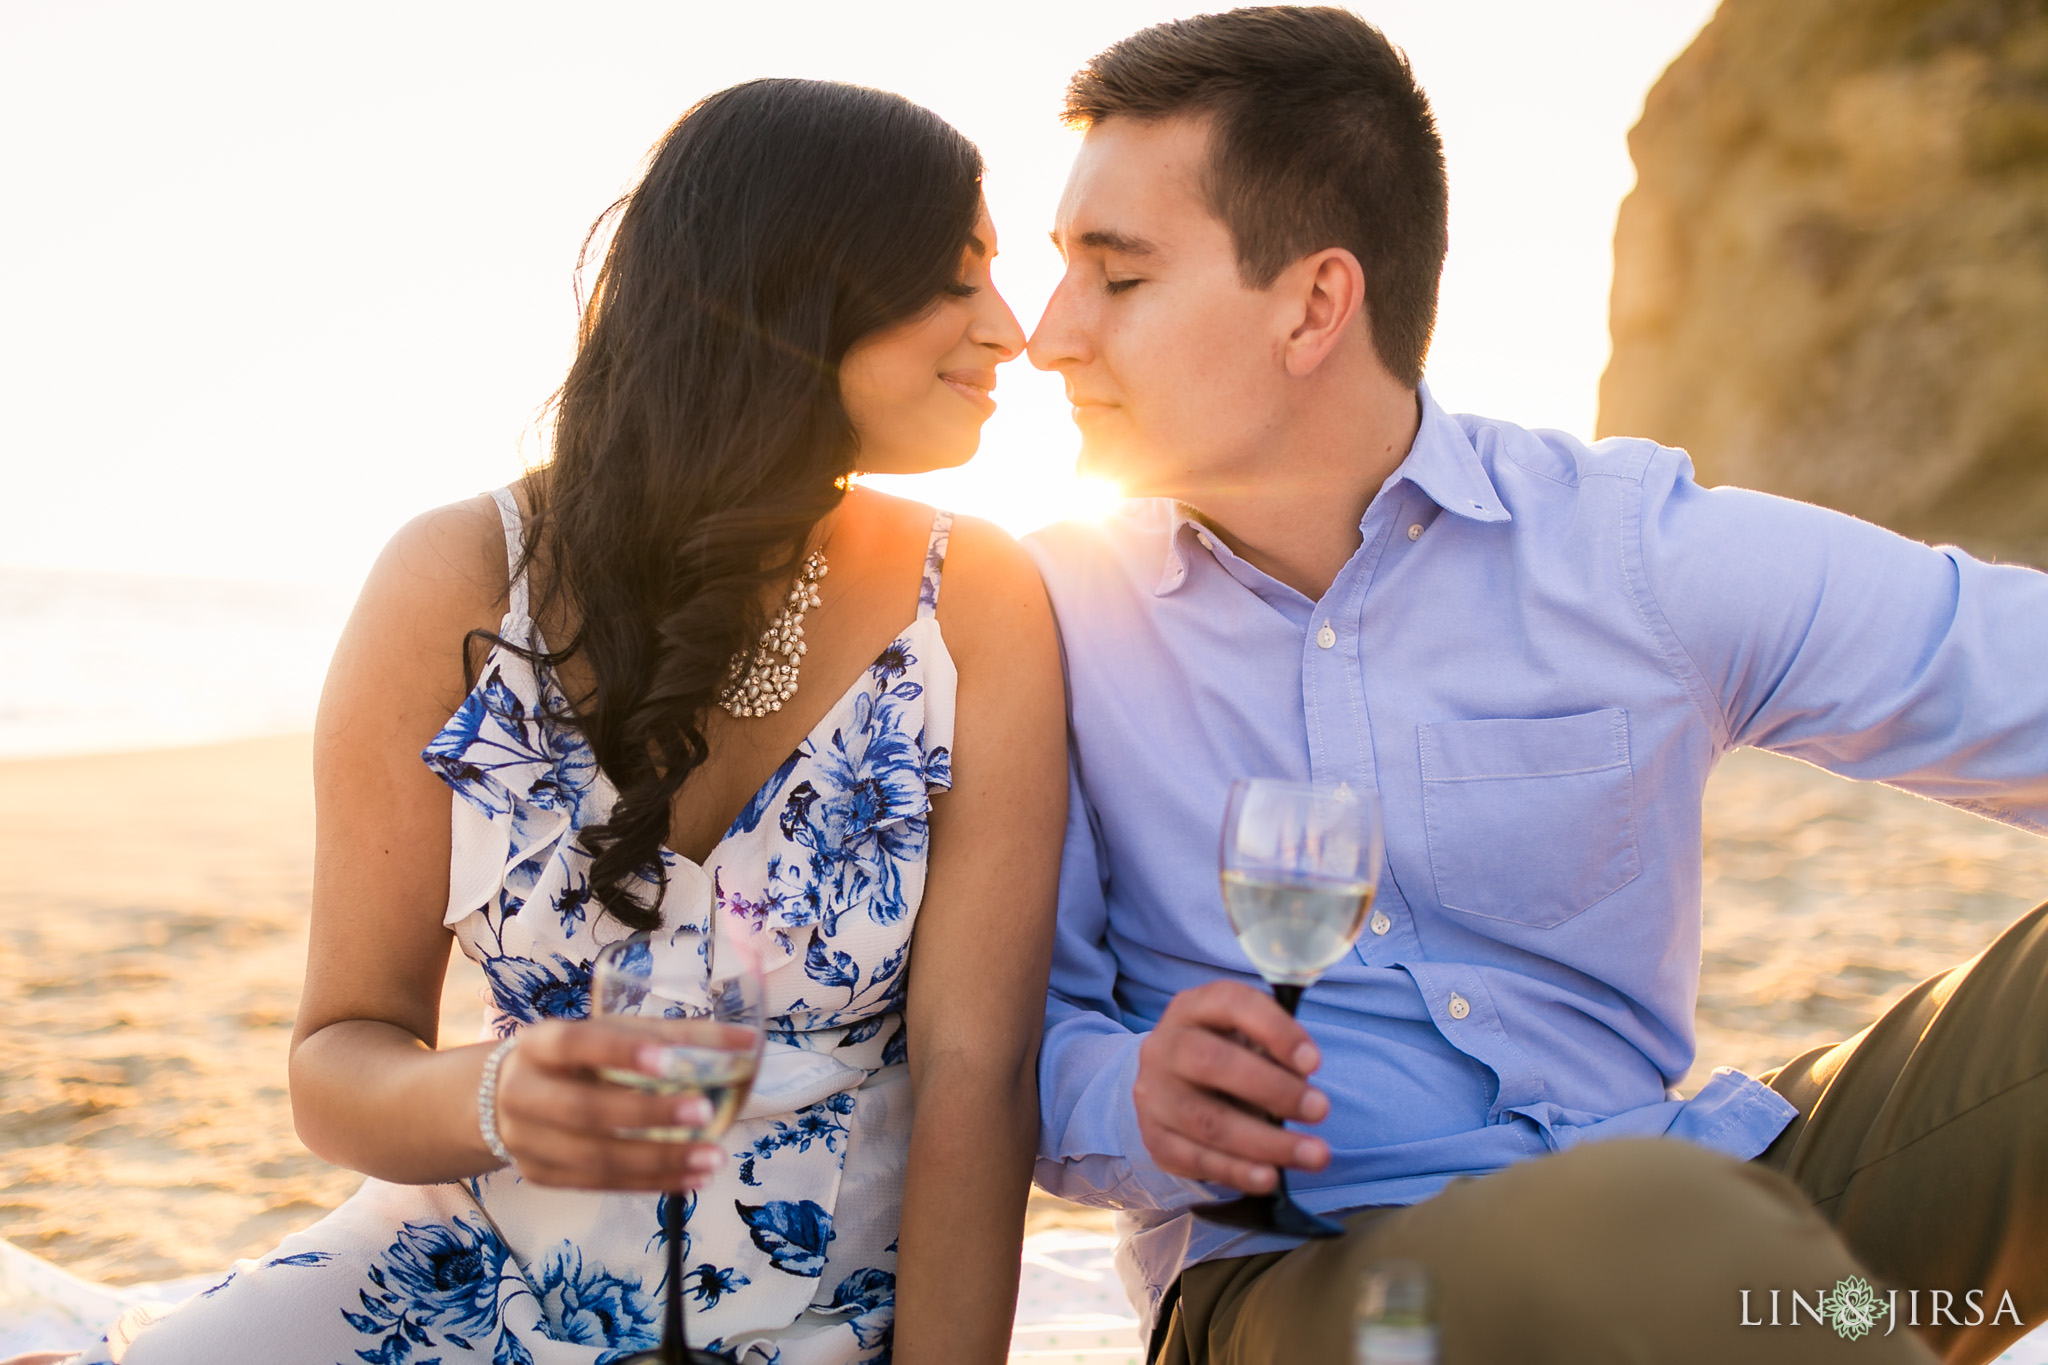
(700, 436)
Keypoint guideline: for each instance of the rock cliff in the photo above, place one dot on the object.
(1831, 280)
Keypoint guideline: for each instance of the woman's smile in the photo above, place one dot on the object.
(976, 386)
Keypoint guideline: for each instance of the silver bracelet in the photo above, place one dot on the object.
(487, 1101)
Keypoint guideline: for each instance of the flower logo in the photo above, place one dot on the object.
(1853, 1308)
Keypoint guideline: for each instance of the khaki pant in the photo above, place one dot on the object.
(1919, 1160)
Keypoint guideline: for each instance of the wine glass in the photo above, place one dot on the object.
(1300, 863)
(707, 1028)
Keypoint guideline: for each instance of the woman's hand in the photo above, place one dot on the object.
(562, 1122)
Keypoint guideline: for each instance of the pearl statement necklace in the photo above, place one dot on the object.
(758, 685)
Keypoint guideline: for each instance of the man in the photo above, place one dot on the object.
(1535, 651)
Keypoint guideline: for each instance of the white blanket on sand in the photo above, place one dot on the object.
(1070, 1308)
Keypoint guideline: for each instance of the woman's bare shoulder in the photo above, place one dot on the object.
(458, 548)
(885, 515)
(445, 564)
(442, 575)
(991, 599)
(992, 604)
(990, 552)
(987, 558)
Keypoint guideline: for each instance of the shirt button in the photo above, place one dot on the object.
(1380, 922)
(1326, 637)
(1459, 1009)
(1415, 531)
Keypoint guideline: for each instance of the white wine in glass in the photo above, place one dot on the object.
(1300, 863)
(698, 1057)
(1294, 931)
(705, 1020)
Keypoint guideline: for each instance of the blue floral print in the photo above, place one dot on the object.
(527, 992)
(495, 743)
(794, 1233)
(571, 903)
(511, 1350)
(435, 1275)
(300, 1258)
(865, 817)
(934, 564)
(586, 1305)
(789, 901)
(707, 1284)
(823, 1123)
(824, 867)
(750, 815)
(870, 1295)
(829, 967)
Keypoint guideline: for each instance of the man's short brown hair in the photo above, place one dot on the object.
(1320, 138)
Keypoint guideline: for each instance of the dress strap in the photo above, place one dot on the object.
(508, 512)
(934, 564)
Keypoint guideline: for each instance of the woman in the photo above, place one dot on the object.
(646, 704)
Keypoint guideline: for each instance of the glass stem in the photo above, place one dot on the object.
(675, 1345)
(1289, 997)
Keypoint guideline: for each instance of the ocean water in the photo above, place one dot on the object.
(93, 663)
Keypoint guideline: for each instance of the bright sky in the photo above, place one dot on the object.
(278, 276)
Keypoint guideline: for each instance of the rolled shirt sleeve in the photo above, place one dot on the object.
(1089, 1147)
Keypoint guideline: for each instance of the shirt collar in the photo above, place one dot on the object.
(1442, 463)
(1183, 528)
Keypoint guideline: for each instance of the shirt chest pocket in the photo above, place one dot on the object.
(1529, 821)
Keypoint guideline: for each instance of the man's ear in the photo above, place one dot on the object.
(1329, 286)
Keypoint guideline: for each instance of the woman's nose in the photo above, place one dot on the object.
(1003, 333)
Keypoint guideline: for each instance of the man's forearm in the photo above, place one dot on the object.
(1089, 1147)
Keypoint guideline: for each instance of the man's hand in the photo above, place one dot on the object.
(1208, 1076)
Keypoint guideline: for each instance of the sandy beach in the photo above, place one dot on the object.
(152, 938)
(152, 933)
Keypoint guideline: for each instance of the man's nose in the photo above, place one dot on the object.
(1057, 341)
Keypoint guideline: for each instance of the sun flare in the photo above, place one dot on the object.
(1018, 505)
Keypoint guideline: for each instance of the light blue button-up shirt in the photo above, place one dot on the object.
(1537, 655)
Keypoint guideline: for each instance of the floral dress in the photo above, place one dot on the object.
(790, 1250)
